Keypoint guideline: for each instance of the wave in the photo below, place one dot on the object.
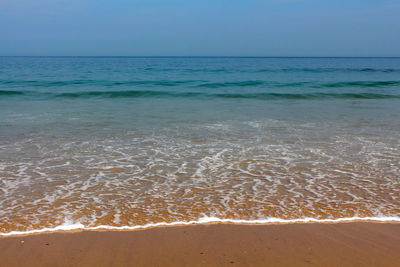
(193, 70)
(272, 84)
(6, 93)
(205, 220)
(325, 70)
(269, 70)
(234, 84)
(267, 96)
(360, 84)
(167, 94)
(21, 83)
(199, 83)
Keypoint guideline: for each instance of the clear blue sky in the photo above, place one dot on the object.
(200, 28)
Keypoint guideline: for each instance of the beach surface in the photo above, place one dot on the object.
(342, 244)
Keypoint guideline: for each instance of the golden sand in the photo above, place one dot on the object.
(343, 244)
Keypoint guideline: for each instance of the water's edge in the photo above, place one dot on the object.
(66, 227)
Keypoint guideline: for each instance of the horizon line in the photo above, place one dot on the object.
(77, 56)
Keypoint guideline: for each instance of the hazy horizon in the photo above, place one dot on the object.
(194, 56)
(273, 28)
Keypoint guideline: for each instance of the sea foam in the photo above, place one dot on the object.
(204, 220)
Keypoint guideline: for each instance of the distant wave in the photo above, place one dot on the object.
(6, 93)
(270, 70)
(166, 94)
(324, 70)
(272, 84)
(197, 83)
(361, 84)
(22, 83)
(234, 84)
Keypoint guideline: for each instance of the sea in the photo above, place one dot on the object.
(136, 142)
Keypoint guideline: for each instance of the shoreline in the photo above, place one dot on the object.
(214, 244)
(78, 227)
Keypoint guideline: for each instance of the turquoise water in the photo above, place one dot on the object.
(131, 140)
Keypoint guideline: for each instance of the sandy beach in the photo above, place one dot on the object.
(343, 244)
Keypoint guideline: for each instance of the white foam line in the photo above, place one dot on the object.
(64, 227)
(204, 220)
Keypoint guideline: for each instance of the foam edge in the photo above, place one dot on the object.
(204, 220)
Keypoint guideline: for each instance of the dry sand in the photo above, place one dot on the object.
(344, 244)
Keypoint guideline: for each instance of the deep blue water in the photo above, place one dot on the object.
(154, 91)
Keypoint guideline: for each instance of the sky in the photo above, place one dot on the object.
(200, 28)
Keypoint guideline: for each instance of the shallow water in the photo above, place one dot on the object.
(135, 141)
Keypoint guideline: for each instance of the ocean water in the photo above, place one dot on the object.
(131, 141)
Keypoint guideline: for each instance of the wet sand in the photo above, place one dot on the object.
(343, 244)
